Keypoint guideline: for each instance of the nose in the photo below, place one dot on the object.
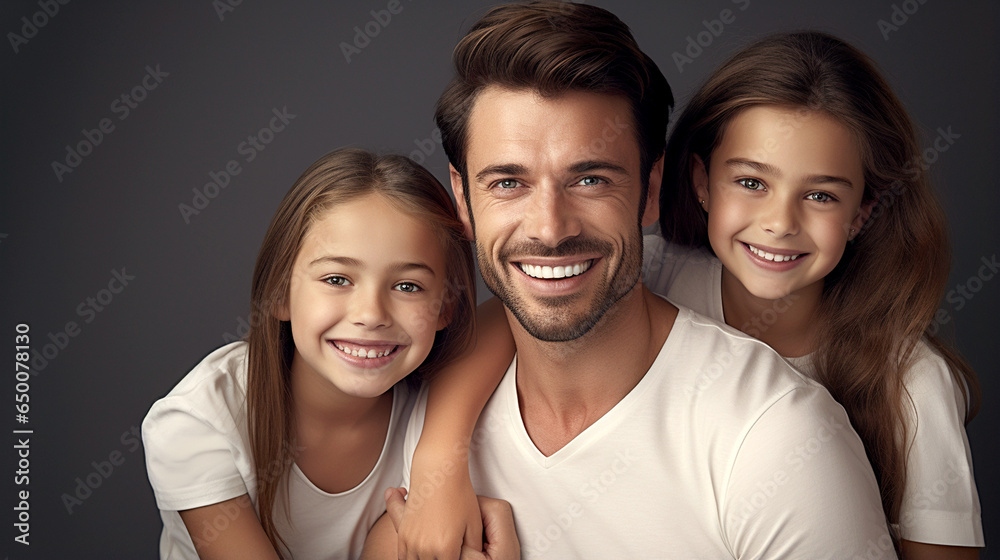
(368, 308)
(550, 217)
(780, 217)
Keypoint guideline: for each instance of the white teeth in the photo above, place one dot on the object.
(536, 271)
(771, 256)
(362, 353)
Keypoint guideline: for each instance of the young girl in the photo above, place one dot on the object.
(282, 445)
(796, 209)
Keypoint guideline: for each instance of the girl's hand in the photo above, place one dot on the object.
(438, 521)
(500, 535)
(496, 517)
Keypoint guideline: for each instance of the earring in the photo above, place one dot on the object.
(702, 202)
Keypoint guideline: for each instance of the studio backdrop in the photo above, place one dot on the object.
(147, 145)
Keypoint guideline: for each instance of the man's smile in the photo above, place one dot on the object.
(561, 271)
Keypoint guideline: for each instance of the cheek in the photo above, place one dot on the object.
(422, 318)
(832, 233)
(725, 218)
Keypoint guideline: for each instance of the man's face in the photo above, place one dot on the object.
(554, 187)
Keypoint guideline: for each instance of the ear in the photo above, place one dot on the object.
(652, 211)
(458, 189)
(699, 180)
(861, 218)
(281, 312)
(444, 316)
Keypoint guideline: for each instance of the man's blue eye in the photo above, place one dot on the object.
(591, 181)
(507, 183)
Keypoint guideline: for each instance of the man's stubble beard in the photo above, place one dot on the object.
(553, 321)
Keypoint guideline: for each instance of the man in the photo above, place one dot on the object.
(625, 427)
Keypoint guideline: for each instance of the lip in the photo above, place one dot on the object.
(555, 286)
(377, 346)
(773, 265)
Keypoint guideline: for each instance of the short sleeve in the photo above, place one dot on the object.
(940, 500)
(190, 462)
(801, 486)
(414, 428)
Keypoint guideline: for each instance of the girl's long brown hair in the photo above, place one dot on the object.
(337, 177)
(881, 298)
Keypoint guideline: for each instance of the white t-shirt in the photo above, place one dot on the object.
(940, 502)
(721, 451)
(198, 453)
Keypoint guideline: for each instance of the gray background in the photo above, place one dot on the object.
(60, 241)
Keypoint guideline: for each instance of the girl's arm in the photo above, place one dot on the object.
(921, 551)
(243, 536)
(442, 511)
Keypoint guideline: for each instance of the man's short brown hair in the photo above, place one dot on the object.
(553, 48)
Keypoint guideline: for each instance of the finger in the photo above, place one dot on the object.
(394, 505)
(472, 554)
(474, 533)
(498, 525)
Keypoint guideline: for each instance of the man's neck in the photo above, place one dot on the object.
(564, 387)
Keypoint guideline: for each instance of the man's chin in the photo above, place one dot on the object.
(552, 319)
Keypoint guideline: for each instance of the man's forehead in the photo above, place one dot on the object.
(508, 125)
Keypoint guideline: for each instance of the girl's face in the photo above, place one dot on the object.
(783, 192)
(366, 296)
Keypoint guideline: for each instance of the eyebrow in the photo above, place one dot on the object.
(596, 165)
(772, 170)
(579, 167)
(501, 169)
(348, 261)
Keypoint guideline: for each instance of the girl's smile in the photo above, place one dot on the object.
(367, 354)
(774, 259)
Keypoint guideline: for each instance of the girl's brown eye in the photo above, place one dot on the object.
(408, 287)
